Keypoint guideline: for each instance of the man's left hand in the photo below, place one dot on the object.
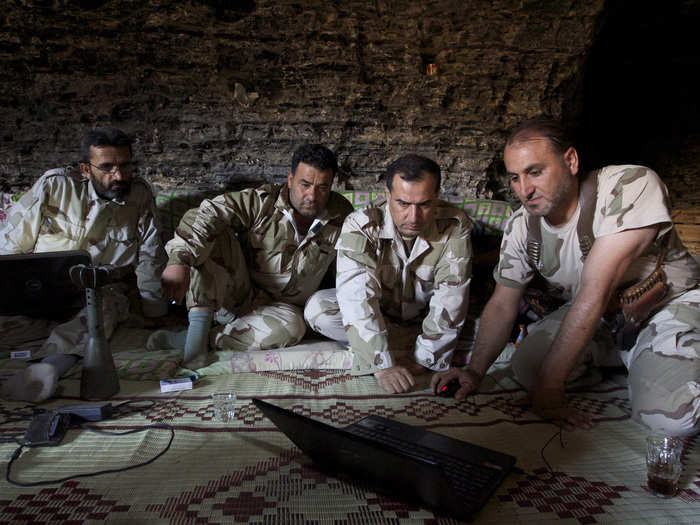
(395, 379)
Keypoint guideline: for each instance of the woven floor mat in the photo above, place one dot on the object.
(248, 472)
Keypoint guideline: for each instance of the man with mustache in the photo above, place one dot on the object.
(105, 209)
(404, 269)
(250, 259)
(588, 237)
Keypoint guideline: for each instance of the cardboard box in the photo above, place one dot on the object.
(178, 383)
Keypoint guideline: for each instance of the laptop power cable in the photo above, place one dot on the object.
(49, 427)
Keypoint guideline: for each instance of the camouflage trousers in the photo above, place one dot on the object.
(322, 314)
(663, 365)
(247, 318)
(70, 337)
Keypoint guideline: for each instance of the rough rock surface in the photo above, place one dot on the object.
(219, 93)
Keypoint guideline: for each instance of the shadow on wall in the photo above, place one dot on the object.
(639, 102)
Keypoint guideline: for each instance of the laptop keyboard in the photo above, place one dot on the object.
(470, 479)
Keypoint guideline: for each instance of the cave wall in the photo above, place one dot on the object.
(639, 101)
(218, 94)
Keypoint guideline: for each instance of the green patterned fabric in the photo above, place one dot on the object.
(6, 202)
(490, 215)
(172, 205)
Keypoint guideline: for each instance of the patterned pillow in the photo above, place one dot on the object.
(172, 205)
(6, 202)
(490, 215)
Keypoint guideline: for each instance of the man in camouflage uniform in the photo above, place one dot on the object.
(631, 225)
(105, 210)
(250, 259)
(404, 265)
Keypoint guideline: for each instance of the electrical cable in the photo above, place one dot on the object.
(164, 426)
(544, 447)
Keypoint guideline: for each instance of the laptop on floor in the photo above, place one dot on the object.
(38, 284)
(450, 476)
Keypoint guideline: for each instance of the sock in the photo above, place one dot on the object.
(197, 341)
(38, 382)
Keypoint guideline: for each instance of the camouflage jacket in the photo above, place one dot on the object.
(628, 197)
(63, 212)
(287, 269)
(376, 279)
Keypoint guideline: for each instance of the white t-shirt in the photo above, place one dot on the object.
(628, 197)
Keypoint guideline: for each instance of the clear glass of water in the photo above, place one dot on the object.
(224, 406)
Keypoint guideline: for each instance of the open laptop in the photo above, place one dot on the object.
(450, 476)
(38, 284)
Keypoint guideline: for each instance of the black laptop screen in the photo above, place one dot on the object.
(39, 285)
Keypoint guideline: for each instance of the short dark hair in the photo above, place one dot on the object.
(545, 127)
(103, 136)
(412, 167)
(315, 155)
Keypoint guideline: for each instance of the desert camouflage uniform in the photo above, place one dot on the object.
(380, 286)
(251, 267)
(664, 364)
(63, 212)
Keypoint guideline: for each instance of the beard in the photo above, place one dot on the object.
(545, 206)
(116, 190)
(308, 209)
(410, 233)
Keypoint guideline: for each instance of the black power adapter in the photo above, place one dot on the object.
(81, 413)
(49, 428)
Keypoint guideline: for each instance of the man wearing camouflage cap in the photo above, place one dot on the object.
(632, 241)
(250, 259)
(404, 266)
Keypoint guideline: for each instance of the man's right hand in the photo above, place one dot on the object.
(468, 379)
(395, 379)
(175, 281)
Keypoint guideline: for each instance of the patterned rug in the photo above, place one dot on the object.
(246, 471)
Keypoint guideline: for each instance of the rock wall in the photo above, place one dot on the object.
(219, 93)
(639, 102)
